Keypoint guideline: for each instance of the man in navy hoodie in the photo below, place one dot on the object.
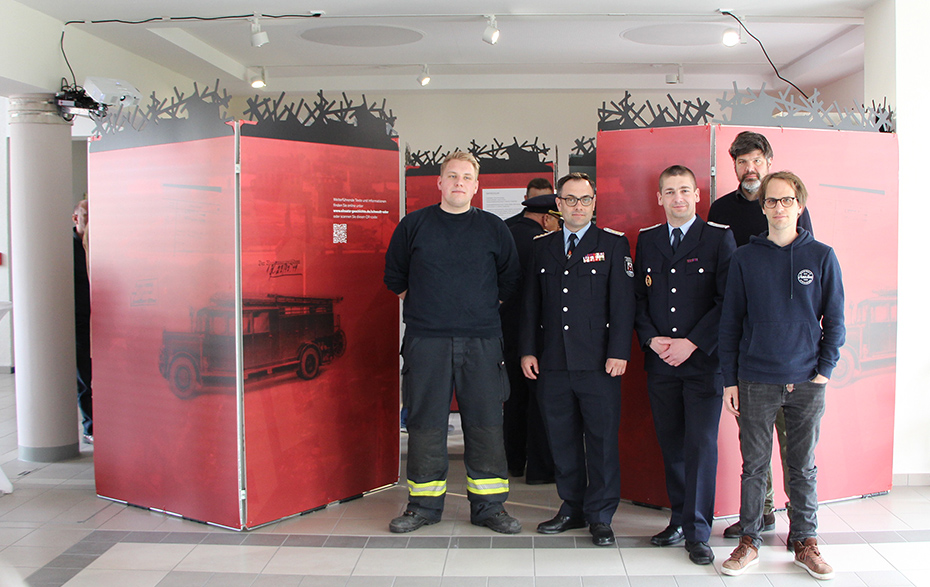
(781, 330)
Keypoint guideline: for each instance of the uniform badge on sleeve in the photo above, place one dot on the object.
(593, 257)
(629, 265)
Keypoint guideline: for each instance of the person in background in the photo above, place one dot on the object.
(82, 321)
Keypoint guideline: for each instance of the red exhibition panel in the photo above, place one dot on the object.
(853, 206)
(628, 166)
(316, 222)
(853, 203)
(162, 245)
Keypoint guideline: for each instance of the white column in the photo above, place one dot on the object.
(895, 43)
(41, 258)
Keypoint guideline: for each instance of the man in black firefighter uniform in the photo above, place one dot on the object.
(681, 274)
(578, 316)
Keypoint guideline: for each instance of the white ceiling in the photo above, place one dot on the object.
(544, 44)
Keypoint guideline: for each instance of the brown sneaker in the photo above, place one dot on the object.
(807, 556)
(744, 556)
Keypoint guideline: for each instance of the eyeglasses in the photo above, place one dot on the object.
(572, 200)
(786, 202)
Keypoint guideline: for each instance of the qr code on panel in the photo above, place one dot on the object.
(340, 233)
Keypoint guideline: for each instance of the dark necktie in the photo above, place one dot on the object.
(676, 239)
(572, 239)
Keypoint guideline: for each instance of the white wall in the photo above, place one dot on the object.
(6, 324)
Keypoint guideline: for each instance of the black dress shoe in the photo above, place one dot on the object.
(540, 481)
(560, 524)
(602, 534)
(671, 535)
(699, 552)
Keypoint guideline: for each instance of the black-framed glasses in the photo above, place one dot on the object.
(572, 200)
(786, 202)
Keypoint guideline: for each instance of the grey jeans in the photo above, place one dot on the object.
(803, 407)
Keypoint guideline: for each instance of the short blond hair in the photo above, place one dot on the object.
(460, 156)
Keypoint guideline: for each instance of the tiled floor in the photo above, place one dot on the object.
(55, 531)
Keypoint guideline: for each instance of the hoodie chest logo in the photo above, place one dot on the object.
(805, 277)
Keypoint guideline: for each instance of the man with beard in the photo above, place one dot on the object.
(752, 159)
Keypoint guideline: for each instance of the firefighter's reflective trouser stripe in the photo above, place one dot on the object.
(487, 486)
(474, 368)
(428, 489)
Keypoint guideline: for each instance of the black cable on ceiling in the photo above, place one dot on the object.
(766, 53)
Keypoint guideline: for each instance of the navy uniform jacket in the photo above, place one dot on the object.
(680, 295)
(579, 311)
(524, 230)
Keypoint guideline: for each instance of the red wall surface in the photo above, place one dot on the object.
(852, 181)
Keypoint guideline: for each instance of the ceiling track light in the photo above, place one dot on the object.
(259, 80)
(259, 37)
(732, 37)
(424, 77)
(675, 78)
(491, 33)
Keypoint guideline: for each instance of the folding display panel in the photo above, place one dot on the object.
(852, 181)
(244, 345)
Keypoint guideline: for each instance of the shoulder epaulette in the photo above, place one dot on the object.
(612, 231)
(718, 225)
(545, 234)
(651, 227)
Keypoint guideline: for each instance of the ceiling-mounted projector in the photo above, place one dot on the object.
(112, 92)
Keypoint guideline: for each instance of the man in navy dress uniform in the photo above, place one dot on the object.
(681, 274)
(578, 318)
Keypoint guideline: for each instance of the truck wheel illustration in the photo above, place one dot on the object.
(339, 343)
(308, 365)
(845, 370)
(183, 378)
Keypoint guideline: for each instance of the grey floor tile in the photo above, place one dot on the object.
(606, 581)
(107, 536)
(874, 537)
(470, 542)
(278, 581)
(509, 582)
(265, 539)
(633, 542)
(847, 580)
(554, 541)
(145, 537)
(417, 581)
(429, 542)
(387, 542)
(184, 537)
(46, 577)
(841, 538)
(323, 581)
(370, 581)
(346, 541)
(915, 535)
(229, 538)
(305, 540)
(84, 547)
(184, 579)
(884, 579)
(511, 542)
(651, 581)
(558, 582)
(231, 580)
(72, 561)
(472, 582)
(699, 581)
